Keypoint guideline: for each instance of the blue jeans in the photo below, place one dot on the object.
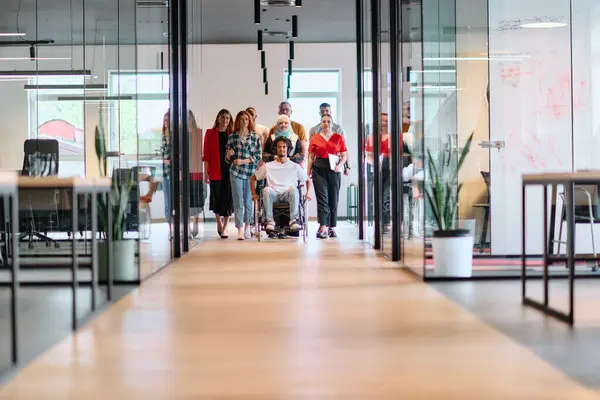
(290, 196)
(166, 187)
(242, 200)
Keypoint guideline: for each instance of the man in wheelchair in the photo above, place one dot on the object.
(282, 177)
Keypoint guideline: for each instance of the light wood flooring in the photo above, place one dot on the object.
(286, 320)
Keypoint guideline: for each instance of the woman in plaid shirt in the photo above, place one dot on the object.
(244, 151)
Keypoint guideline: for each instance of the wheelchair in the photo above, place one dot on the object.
(281, 215)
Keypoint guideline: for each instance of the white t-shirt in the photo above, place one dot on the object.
(280, 176)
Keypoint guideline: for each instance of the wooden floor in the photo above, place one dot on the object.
(286, 320)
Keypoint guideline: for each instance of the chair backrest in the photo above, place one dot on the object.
(40, 157)
(486, 178)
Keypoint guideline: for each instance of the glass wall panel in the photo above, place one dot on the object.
(386, 142)
(368, 124)
(411, 143)
(439, 109)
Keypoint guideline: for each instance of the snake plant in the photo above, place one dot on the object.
(442, 188)
(119, 194)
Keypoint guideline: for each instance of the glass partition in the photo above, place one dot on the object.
(368, 133)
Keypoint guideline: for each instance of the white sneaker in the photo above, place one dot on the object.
(247, 232)
(240, 234)
(294, 227)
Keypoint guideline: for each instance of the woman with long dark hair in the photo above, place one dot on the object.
(327, 156)
(216, 170)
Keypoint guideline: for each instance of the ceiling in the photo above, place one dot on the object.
(210, 21)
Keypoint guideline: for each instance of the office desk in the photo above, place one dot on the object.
(80, 186)
(10, 193)
(568, 180)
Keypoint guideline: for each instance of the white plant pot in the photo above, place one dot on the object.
(124, 267)
(453, 253)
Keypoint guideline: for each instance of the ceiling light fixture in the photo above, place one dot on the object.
(265, 80)
(260, 40)
(294, 26)
(10, 34)
(34, 58)
(281, 3)
(289, 67)
(263, 59)
(291, 49)
(34, 74)
(298, 4)
(543, 25)
(266, 88)
(257, 12)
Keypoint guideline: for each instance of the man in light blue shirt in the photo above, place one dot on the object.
(325, 109)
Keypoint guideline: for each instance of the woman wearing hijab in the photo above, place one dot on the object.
(283, 128)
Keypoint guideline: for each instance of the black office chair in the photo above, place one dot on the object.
(486, 211)
(40, 159)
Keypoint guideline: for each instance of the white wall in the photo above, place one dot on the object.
(220, 76)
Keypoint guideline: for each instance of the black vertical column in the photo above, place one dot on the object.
(360, 113)
(175, 101)
(375, 39)
(396, 128)
(185, 135)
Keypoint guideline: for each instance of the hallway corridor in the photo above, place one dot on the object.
(287, 320)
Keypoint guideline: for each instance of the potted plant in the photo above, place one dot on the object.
(124, 268)
(452, 246)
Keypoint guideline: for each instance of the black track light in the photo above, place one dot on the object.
(289, 82)
(287, 94)
(291, 49)
(289, 67)
(294, 26)
(257, 12)
(264, 75)
(32, 52)
(266, 88)
(263, 59)
(298, 3)
(260, 40)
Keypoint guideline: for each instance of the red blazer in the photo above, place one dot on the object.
(212, 154)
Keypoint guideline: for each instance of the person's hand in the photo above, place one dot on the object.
(347, 171)
(308, 197)
(416, 192)
(238, 162)
(207, 178)
(167, 162)
(255, 196)
(338, 168)
(147, 198)
(230, 152)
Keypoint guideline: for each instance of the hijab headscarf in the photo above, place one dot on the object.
(288, 133)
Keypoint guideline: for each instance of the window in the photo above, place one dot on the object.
(308, 89)
(53, 118)
(138, 121)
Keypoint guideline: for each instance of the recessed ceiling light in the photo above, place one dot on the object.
(12, 34)
(543, 25)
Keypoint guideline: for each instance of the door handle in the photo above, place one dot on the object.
(492, 144)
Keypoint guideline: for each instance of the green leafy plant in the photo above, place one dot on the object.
(118, 197)
(442, 186)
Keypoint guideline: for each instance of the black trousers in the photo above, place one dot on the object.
(327, 189)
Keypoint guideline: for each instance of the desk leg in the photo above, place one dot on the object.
(14, 215)
(94, 270)
(550, 236)
(109, 246)
(74, 271)
(523, 248)
(545, 230)
(570, 200)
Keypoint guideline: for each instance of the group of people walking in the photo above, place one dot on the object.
(234, 148)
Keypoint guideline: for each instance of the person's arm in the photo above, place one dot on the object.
(229, 152)
(253, 187)
(298, 156)
(344, 157)
(257, 153)
(311, 158)
(267, 156)
(347, 163)
(303, 140)
(205, 158)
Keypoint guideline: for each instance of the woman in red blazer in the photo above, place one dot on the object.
(217, 170)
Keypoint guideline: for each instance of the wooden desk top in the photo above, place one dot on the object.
(551, 177)
(10, 181)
